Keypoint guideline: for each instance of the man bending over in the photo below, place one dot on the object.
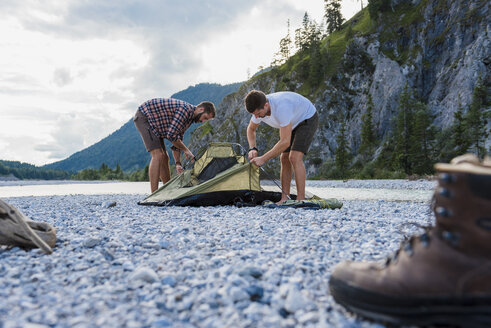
(168, 118)
(297, 119)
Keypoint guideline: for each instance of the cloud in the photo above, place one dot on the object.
(62, 77)
(74, 71)
(175, 35)
(74, 131)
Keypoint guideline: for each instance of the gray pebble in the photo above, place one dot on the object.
(91, 242)
(108, 204)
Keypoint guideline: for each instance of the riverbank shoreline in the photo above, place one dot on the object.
(396, 190)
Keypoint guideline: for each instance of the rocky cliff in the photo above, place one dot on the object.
(439, 48)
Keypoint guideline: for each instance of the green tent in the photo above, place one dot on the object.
(222, 175)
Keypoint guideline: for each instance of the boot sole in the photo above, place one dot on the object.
(465, 312)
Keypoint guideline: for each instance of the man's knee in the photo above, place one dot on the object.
(285, 158)
(159, 155)
(295, 157)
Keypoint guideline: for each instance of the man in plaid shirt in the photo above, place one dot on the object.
(167, 118)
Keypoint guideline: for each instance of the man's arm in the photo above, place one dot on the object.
(176, 129)
(279, 147)
(177, 159)
(180, 145)
(251, 138)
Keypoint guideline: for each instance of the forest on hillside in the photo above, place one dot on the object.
(426, 119)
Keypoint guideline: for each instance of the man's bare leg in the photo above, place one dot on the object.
(296, 158)
(285, 176)
(165, 168)
(154, 168)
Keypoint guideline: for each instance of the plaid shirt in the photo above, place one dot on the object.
(168, 118)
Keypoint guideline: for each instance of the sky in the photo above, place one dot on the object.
(74, 71)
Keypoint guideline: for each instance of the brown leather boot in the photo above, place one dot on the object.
(444, 275)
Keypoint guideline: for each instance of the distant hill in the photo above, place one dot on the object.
(124, 146)
(12, 170)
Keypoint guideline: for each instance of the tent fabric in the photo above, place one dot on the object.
(220, 175)
(215, 166)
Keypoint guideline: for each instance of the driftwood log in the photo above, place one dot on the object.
(16, 229)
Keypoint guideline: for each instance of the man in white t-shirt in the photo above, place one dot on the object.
(297, 119)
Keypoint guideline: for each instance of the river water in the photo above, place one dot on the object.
(50, 188)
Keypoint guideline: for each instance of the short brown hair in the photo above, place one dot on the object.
(255, 99)
(209, 108)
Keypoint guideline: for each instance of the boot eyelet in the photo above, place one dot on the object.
(447, 178)
(452, 238)
(425, 240)
(408, 249)
(445, 192)
(442, 211)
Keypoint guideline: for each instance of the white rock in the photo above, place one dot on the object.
(145, 274)
(295, 300)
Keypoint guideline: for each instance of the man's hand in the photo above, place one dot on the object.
(189, 155)
(179, 168)
(258, 161)
(252, 154)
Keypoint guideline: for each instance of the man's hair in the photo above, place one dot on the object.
(255, 99)
(209, 107)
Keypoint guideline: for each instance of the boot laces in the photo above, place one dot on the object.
(407, 244)
(424, 238)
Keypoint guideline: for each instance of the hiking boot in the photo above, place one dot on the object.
(442, 277)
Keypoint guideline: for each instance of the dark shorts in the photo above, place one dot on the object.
(303, 134)
(149, 138)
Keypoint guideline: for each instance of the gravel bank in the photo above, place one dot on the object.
(135, 266)
(375, 184)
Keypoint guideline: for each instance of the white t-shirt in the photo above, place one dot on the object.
(286, 107)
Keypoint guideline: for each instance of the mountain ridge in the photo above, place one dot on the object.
(438, 48)
(124, 146)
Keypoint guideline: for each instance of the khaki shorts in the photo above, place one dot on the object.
(149, 138)
(303, 134)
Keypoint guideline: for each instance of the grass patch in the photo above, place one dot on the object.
(336, 44)
(362, 23)
(205, 129)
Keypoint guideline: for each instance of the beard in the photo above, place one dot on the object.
(268, 113)
(197, 117)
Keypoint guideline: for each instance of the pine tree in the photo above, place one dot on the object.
(118, 172)
(377, 6)
(302, 39)
(460, 136)
(145, 173)
(104, 170)
(368, 137)
(403, 131)
(316, 70)
(422, 140)
(285, 49)
(316, 63)
(476, 119)
(286, 44)
(333, 15)
(415, 136)
(342, 152)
